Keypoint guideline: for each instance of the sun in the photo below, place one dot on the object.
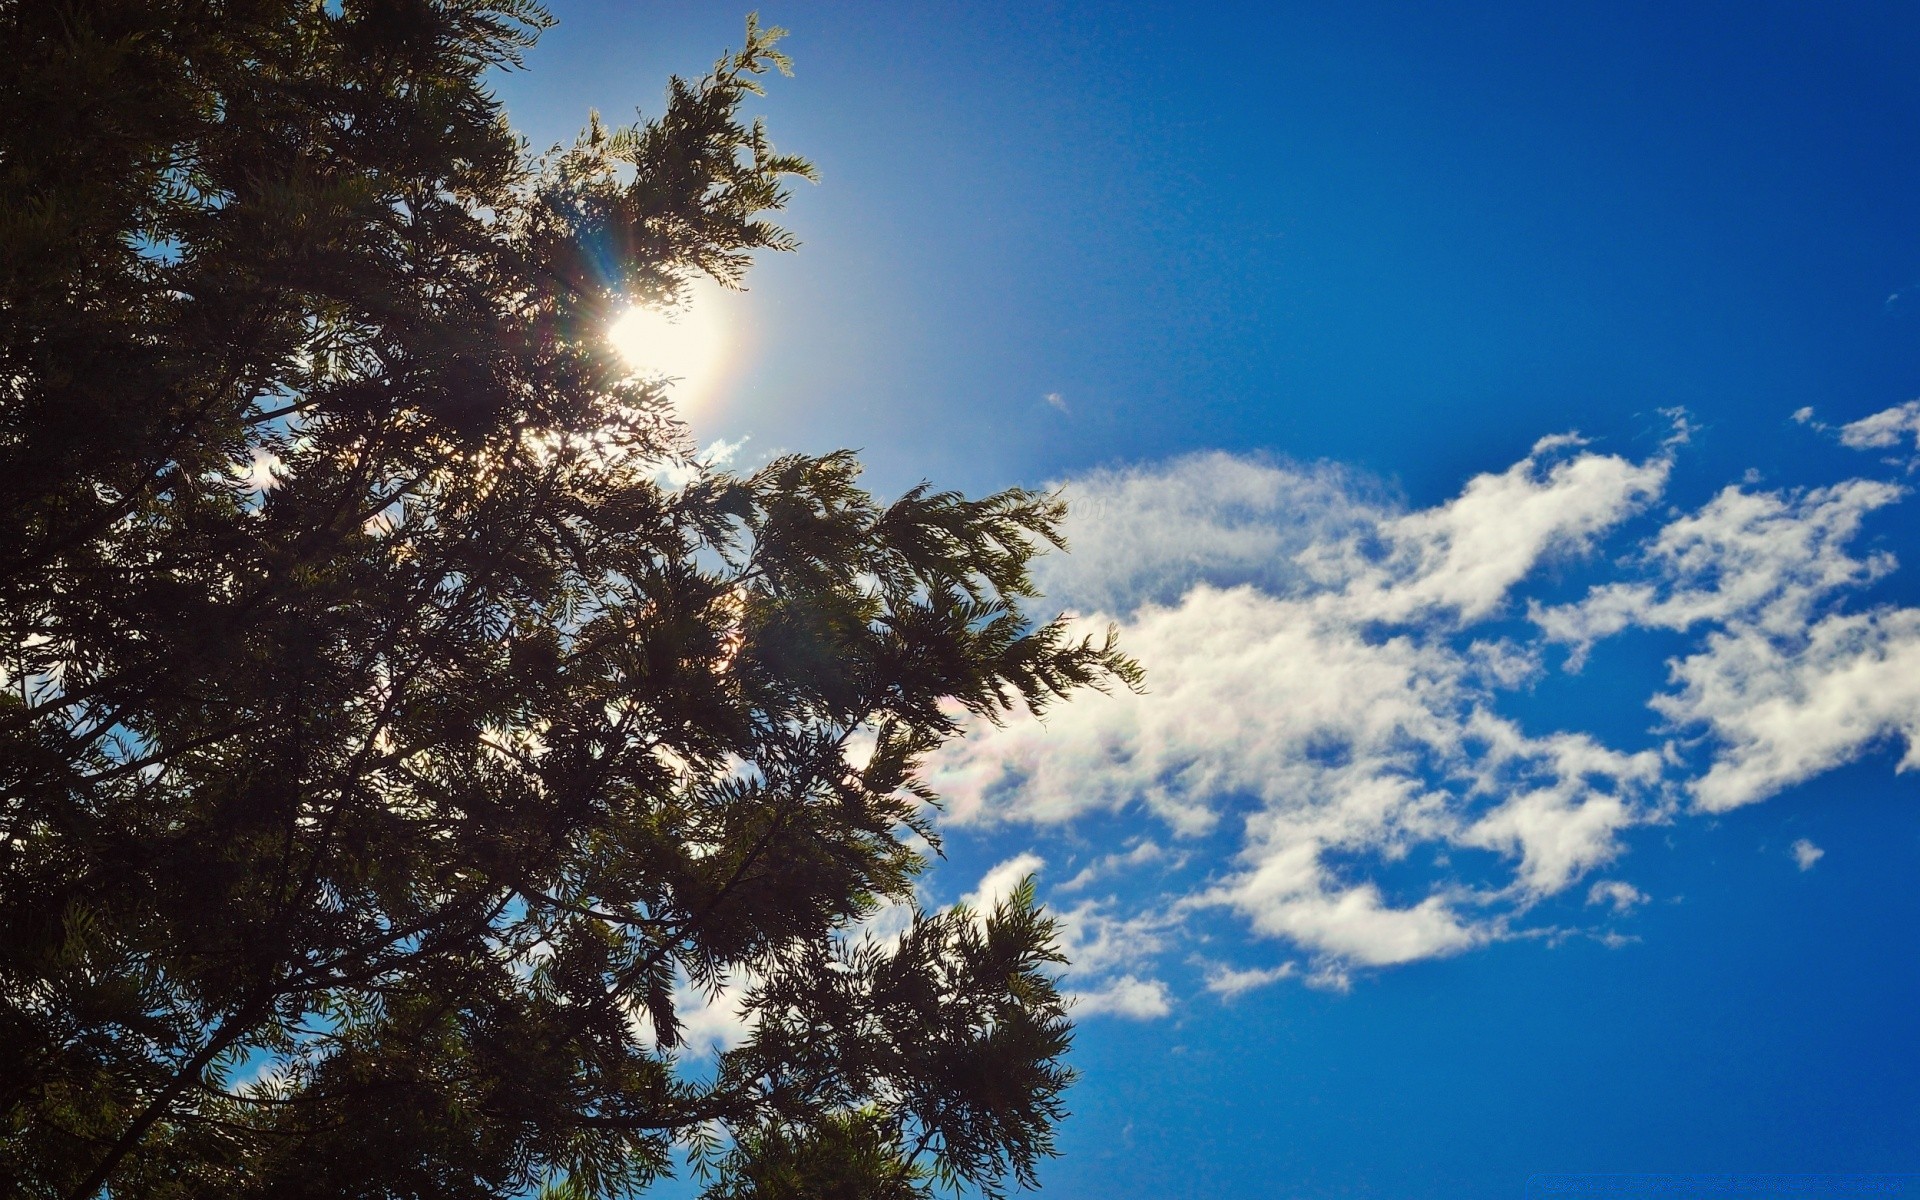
(685, 345)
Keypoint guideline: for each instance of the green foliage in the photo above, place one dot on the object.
(384, 749)
(844, 1156)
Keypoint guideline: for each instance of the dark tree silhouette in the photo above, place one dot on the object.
(384, 747)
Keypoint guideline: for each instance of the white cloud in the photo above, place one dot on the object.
(1147, 851)
(1623, 896)
(1331, 976)
(1147, 533)
(717, 455)
(1228, 982)
(1559, 832)
(1761, 559)
(1463, 557)
(1096, 940)
(1055, 401)
(709, 1024)
(1330, 709)
(1884, 429)
(712, 1023)
(1328, 712)
(263, 471)
(1127, 996)
(884, 927)
(1097, 943)
(1805, 854)
(1000, 880)
(1786, 687)
(1784, 710)
(1290, 894)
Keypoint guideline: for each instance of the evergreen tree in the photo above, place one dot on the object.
(386, 752)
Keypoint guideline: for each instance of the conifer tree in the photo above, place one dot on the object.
(388, 753)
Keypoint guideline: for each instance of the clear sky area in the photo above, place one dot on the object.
(1493, 428)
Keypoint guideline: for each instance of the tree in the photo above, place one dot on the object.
(386, 750)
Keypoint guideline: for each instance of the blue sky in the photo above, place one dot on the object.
(1487, 424)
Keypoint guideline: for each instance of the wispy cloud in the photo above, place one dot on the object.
(1786, 687)
(1228, 982)
(1107, 865)
(1147, 533)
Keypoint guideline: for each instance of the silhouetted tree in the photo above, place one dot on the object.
(387, 751)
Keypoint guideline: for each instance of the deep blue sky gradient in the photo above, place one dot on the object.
(1412, 239)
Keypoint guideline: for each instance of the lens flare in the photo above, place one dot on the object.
(685, 346)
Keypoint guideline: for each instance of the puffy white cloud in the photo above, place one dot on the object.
(1127, 996)
(1784, 710)
(1465, 556)
(709, 1024)
(716, 455)
(1329, 728)
(708, 1021)
(1000, 881)
(1559, 832)
(1805, 854)
(1326, 704)
(263, 471)
(1291, 894)
(1884, 429)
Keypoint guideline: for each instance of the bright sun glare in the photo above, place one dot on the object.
(686, 345)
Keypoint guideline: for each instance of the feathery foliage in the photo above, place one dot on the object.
(387, 755)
